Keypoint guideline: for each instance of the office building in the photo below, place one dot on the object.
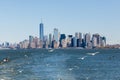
(69, 41)
(41, 32)
(79, 40)
(56, 37)
(62, 39)
(87, 39)
(103, 42)
(31, 38)
(74, 42)
(96, 40)
(77, 35)
(50, 41)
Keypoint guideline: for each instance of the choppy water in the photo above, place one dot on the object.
(61, 64)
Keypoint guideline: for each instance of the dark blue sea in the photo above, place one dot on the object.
(60, 64)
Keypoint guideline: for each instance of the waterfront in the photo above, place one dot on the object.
(60, 64)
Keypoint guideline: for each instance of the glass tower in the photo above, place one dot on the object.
(41, 31)
(56, 35)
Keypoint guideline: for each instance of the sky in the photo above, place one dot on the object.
(21, 18)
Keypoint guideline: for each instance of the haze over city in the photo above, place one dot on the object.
(19, 19)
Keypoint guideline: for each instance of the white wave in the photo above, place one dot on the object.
(93, 54)
(20, 71)
(26, 56)
(70, 69)
(82, 58)
(87, 78)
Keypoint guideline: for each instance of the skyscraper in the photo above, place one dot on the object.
(56, 37)
(31, 39)
(94, 41)
(103, 42)
(98, 39)
(74, 42)
(50, 40)
(69, 41)
(79, 38)
(62, 39)
(77, 35)
(41, 31)
(87, 39)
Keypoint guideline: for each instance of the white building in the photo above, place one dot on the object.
(94, 41)
(56, 37)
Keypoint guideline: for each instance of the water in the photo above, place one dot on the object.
(61, 64)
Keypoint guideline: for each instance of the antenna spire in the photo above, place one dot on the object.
(41, 20)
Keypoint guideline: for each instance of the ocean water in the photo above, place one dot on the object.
(60, 64)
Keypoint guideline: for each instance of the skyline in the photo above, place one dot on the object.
(19, 19)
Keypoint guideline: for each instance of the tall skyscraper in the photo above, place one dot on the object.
(103, 41)
(50, 40)
(69, 41)
(31, 39)
(98, 39)
(79, 38)
(62, 39)
(94, 41)
(56, 37)
(77, 35)
(41, 31)
(74, 42)
(87, 39)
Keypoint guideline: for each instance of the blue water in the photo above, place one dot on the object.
(60, 64)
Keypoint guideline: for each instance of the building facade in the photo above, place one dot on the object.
(41, 32)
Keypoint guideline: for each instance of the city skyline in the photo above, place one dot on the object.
(19, 19)
(58, 40)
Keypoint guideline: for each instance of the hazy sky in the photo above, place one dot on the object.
(21, 18)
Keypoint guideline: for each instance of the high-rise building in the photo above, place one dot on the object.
(56, 37)
(41, 31)
(45, 42)
(31, 39)
(36, 42)
(33, 42)
(87, 39)
(94, 41)
(98, 39)
(74, 42)
(103, 41)
(50, 40)
(62, 39)
(77, 35)
(69, 41)
(80, 36)
(79, 40)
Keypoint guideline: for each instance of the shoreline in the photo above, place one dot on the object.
(75, 48)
